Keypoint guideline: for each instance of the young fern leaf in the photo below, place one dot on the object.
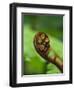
(42, 45)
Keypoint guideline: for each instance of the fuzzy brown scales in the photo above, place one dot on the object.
(42, 42)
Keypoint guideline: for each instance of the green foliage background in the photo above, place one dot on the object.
(52, 25)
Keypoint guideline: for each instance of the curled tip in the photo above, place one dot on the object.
(41, 43)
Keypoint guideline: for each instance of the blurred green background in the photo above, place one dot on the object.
(52, 25)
